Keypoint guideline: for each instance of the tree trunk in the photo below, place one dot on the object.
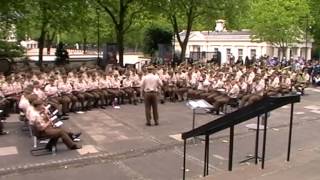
(120, 47)
(49, 41)
(41, 42)
(183, 52)
(284, 52)
(85, 45)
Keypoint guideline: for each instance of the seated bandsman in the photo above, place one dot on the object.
(93, 89)
(244, 89)
(191, 85)
(24, 102)
(115, 88)
(37, 89)
(182, 86)
(301, 83)
(234, 92)
(65, 89)
(46, 128)
(104, 84)
(136, 84)
(127, 86)
(53, 97)
(80, 91)
(285, 85)
(9, 92)
(222, 99)
(29, 109)
(4, 106)
(273, 86)
(171, 87)
(257, 92)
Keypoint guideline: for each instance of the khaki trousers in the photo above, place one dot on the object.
(55, 133)
(151, 101)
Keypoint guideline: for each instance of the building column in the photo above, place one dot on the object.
(309, 54)
(223, 54)
(275, 52)
(298, 52)
(246, 52)
(288, 53)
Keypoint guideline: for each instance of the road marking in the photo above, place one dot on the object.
(87, 149)
(10, 150)
(129, 171)
(315, 111)
(312, 107)
(219, 157)
(299, 113)
(284, 107)
(176, 137)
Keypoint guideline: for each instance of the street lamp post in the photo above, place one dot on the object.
(306, 50)
(173, 47)
(98, 33)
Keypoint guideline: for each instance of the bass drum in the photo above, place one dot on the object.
(5, 66)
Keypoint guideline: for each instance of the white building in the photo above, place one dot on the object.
(237, 43)
(29, 44)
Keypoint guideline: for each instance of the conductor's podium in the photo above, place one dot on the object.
(262, 107)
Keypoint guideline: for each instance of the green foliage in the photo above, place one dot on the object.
(278, 22)
(155, 36)
(10, 50)
(315, 30)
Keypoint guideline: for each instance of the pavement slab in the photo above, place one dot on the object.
(117, 144)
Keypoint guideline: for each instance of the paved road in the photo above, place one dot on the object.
(117, 145)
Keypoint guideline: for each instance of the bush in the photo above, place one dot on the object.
(155, 36)
(10, 50)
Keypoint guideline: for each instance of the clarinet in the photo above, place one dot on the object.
(44, 114)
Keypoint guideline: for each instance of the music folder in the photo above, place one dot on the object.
(199, 104)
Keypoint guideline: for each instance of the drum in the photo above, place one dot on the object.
(5, 66)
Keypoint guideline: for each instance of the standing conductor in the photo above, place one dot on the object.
(151, 84)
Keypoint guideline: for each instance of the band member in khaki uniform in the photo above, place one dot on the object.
(9, 91)
(151, 85)
(128, 89)
(65, 89)
(104, 84)
(79, 90)
(45, 128)
(137, 80)
(93, 86)
(4, 106)
(52, 93)
(115, 88)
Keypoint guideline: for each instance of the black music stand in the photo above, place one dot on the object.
(255, 157)
(195, 105)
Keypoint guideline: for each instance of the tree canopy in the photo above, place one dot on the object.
(278, 22)
(127, 21)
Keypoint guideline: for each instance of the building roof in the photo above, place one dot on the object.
(218, 36)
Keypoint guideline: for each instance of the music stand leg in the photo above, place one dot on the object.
(193, 118)
(231, 147)
(206, 157)
(264, 141)
(290, 133)
(184, 159)
(256, 150)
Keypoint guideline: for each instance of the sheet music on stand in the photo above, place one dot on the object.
(199, 104)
